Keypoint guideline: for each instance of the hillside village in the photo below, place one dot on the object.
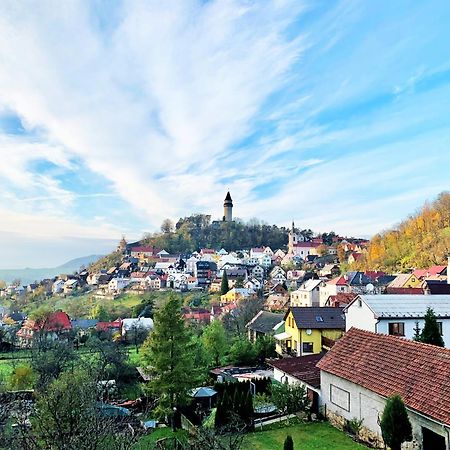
(327, 329)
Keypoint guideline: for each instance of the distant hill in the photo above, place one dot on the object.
(29, 275)
(420, 241)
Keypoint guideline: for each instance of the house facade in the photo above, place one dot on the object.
(310, 330)
(398, 315)
(363, 369)
(307, 295)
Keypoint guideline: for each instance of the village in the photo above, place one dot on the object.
(330, 332)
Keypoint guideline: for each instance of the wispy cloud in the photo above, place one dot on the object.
(139, 111)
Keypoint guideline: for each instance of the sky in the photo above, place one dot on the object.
(117, 115)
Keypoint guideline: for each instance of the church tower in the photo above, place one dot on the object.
(292, 239)
(228, 208)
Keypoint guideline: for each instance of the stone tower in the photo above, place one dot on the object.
(228, 208)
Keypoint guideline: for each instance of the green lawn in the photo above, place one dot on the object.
(306, 436)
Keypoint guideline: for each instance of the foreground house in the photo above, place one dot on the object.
(398, 315)
(310, 330)
(363, 369)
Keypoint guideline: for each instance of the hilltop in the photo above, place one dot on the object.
(421, 240)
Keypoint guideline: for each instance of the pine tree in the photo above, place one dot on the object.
(225, 287)
(288, 443)
(431, 333)
(395, 424)
(168, 350)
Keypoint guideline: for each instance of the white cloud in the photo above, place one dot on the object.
(152, 104)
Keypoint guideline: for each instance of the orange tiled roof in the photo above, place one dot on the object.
(386, 365)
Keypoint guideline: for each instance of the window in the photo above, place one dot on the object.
(397, 328)
(340, 397)
(359, 303)
(307, 347)
(319, 319)
(439, 324)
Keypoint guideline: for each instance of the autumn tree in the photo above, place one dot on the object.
(167, 226)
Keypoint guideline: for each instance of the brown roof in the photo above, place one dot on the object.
(301, 367)
(386, 365)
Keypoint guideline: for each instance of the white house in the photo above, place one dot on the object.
(264, 260)
(58, 286)
(363, 369)
(191, 264)
(398, 315)
(332, 287)
(70, 286)
(307, 294)
(258, 272)
(118, 284)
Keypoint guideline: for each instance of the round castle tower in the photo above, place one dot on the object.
(228, 208)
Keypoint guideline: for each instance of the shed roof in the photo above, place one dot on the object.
(302, 368)
(265, 321)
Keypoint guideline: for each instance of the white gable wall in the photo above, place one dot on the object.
(349, 400)
(360, 317)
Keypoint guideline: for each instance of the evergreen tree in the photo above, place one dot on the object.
(168, 351)
(225, 287)
(430, 333)
(288, 443)
(395, 424)
(214, 341)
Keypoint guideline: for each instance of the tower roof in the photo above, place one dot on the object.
(228, 197)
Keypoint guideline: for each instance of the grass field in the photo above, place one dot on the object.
(306, 436)
(8, 361)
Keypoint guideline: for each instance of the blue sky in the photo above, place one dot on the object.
(114, 116)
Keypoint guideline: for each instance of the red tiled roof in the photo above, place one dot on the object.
(207, 251)
(105, 326)
(386, 365)
(420, 273)
(374, 274)
(301, 367)
(307, 244)
(339, 281)
(341, 298)
(404, 291)
(436, 270)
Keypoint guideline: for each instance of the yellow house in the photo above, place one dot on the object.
(405, 280)
(236, 294)
(310, 330)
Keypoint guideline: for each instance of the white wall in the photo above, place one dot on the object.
(360, 317)
(352, 401)
(410, 324)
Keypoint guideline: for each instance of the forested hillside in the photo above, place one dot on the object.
(420, 241)
(197, 231)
